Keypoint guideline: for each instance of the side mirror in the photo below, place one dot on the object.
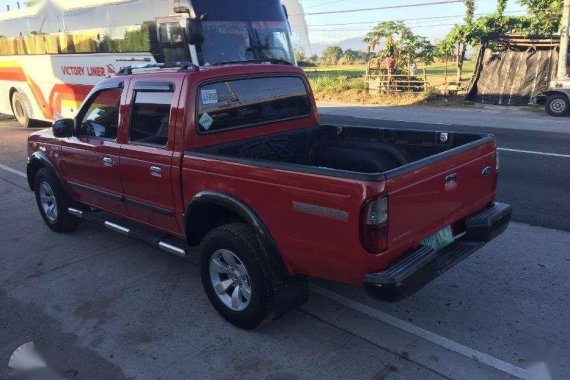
(194, 28)
(63, 128)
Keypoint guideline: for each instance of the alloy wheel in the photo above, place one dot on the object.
(230, 280)
(48, 201)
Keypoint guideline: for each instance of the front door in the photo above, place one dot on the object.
(90, 159)
(147, 167)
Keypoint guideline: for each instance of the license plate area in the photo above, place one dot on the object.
(440, 239)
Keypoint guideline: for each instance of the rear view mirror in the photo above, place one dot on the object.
(194, 28)
(63, 128)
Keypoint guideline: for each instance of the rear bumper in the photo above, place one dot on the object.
(422, 265)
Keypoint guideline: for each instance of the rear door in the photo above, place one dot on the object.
(147, 157)
(425, 199)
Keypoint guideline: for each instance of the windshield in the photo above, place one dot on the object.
(243, 41)
(272, 40)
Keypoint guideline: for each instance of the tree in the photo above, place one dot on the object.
(300, 55)
(543, 16)
(386, 32)
(349, 56)
(501, 7)
(462, 32)
(331, 55)
(400, 42)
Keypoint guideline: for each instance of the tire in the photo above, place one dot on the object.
(53, 203)
(557, 105)
(20, 108)
(230, 260)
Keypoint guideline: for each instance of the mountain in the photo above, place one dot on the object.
(350, 43)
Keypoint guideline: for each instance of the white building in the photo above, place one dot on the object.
(298, 26)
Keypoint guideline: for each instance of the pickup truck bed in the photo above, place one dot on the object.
(363, 153)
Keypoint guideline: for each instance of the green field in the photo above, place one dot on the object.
(335, 79)
(436, 70)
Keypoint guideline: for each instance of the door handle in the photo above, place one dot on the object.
(108, 161)
(155, 170)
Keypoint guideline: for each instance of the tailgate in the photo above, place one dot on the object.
(436, 192)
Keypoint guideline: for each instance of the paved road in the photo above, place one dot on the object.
(108, 307)
(537, 185)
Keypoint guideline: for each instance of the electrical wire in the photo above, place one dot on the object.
(382, 8)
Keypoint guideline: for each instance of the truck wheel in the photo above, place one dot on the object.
(235, 277)
(557, 105)
(53, 203)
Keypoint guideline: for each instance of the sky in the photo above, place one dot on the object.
(322, 32)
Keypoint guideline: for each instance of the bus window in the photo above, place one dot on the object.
(225, 41)
(173, 42)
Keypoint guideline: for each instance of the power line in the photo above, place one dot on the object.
(367, 29)
(409, 19)
(383, 8)
(327, 3)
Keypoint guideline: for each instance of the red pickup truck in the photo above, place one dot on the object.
(232, 158)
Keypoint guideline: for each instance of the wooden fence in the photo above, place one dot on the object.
(385, 82)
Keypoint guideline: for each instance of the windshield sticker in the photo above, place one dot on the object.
(209, 96)
(206, 121)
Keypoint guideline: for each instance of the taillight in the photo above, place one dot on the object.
(374, 225)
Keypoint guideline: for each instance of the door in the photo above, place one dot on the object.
(147, 157)
(90, 159)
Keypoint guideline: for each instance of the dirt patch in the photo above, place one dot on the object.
(402, 99)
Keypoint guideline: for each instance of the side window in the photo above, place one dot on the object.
(151, 117)
(102, 117)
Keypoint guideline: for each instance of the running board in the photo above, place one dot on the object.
(153, 239)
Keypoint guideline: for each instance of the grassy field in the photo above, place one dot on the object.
(346, 83)
(436, 70)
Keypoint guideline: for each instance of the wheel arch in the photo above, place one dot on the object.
(211, 209)
(558, 92)
(36, 162)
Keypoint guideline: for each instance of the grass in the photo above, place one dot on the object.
(346, 84)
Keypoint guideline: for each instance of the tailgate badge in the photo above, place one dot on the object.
(450, 182)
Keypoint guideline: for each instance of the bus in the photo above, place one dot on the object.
(53, 52)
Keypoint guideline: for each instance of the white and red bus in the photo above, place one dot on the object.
(52, 53)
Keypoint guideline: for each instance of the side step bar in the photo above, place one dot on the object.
(152, 239)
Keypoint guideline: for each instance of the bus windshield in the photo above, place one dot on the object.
(226, 41)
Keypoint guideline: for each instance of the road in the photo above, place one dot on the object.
(102, 306)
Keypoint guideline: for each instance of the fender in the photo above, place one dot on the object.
(561, 91)
(269, 248)
(42, 159)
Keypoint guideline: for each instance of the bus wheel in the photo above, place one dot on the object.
(20, 107)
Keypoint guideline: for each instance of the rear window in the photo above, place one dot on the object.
(246, 102)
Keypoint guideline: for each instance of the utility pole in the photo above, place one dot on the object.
(564, 39)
